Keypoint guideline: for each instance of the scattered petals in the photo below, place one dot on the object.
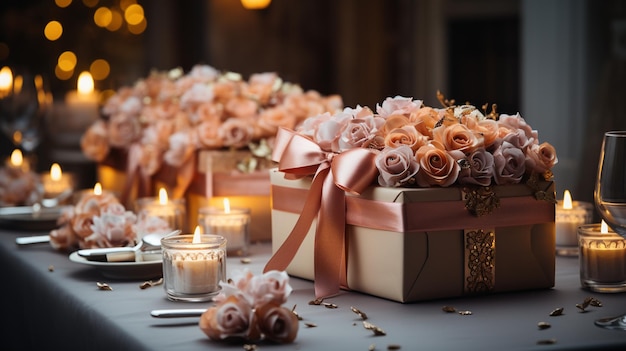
(103, 286)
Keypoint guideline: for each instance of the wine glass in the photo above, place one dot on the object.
(24, 101)
(610, 197)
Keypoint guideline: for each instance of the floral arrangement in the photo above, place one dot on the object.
(100, 220)
(168, 116)
(250, 308)
(19, 187)
(422, 146)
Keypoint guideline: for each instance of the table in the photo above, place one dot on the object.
(62, 309)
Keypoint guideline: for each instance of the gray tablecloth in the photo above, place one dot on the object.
(62, 309)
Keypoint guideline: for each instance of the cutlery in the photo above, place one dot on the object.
(178, 313)
(147, 245)
(36, 239)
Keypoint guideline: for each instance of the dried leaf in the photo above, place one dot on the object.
(595, 303)
(103, 286)
(245, 260)
(376, 330)
(151, 283)
(329, 305)
(293, 310)
(310, 325)
(249, 347)
(448, 309)
(316, 301)
(359, 312)
(557, 312)
(546, 342)
(393, 347)
(465, 313)
(372, 347)
(543, 325)
(50, 268)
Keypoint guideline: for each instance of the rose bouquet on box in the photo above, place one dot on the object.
(164, 119)
(422, 146)
(250, 308)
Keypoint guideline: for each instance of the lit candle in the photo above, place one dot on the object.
(231, 223)
(193, 266)
(56, 182)
(173, 211)
(568, 217)
(17, 162)
(6, 81)
(602, 258)
(83, 103)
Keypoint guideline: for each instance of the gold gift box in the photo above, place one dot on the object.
(443, 251)
(219, 168)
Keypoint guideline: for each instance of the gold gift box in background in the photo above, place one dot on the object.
(517, 248)
(230, 175)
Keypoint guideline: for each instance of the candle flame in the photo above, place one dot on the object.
(567, 200)
(55, 172)
(197, 235)
(604, 228)
(16, 158)
(97, 189)
(226, 205)
(85, 83)
(6, 79)
(163, 199)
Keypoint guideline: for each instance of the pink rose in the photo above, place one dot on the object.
(397, 166)
(272, 286)
(359, 132)
(151, 159)
(509, 164)
(182, 146)
(95, 141)
(329, 131)
(398, 105)
(146, 224)
(113, 227)
(231, 318)
(477, 168)
(309, 126)
(236, 132)
(277, 323)
(540, 158)
(516, 131)
(198, 94)
(437, 166)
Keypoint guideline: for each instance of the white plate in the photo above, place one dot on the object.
(24, 218)
(123, 270)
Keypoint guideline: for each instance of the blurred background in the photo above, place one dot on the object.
(560, 63)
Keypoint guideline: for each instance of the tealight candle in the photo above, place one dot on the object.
(568, 217)
(173, 211)
(17, 162)
(56, 182)
(602, 258)
(193, 266)
(83, 103)
(231, 223)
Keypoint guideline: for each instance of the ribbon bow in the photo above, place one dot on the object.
(334, 174)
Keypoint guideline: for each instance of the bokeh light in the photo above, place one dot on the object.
(67, 61)
(134, 14)
(102, 17)
(53, 30)
(90, 3)
(100, 69)
(138, 28)
(63, 3)
(116, 20)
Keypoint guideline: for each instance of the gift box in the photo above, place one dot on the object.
(218, 174)
(412, 244)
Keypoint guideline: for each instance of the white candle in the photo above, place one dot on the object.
(569, 215)
(17, 162)
(83, 103)
(171, 210)
(231, 223)
(193, 266)
(56, 182)
(602, 258)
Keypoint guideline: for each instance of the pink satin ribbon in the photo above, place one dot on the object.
(333, 175)
(425, 216)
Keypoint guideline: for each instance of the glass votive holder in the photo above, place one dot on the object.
(232, 224)
(567, 222)
(193, 266)
(602, 259)
(172, 211)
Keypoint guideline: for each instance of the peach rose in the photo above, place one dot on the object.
(486, 128)
(271, 119)
(208, 135)
(207, 112)
(63, 238)
(437, 166)
(198, 94)
(236, 132)
(406, 135)
(540, 158)
(151, 158)
(457, 137)
(509, 163)
(277, 323)
(261, 86)
(226, 89)
(241, 107)
(81, 224)
(112, 227)
(231, 318)
(393, 122)
(425, 120)
(95, 141)
(397, 166)
(123, 130)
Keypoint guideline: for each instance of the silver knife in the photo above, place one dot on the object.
(178, 313)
